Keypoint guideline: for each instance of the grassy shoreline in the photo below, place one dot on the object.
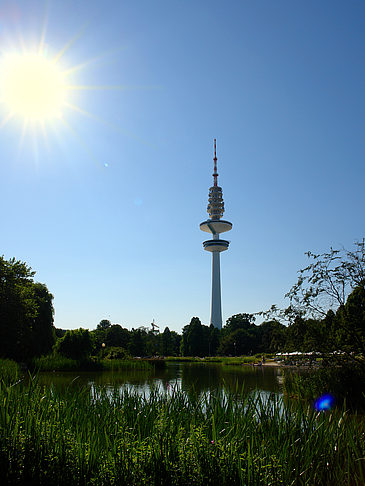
(71, 437)
(60, 363)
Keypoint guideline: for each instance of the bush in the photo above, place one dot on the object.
(344, 381)
(9, 371)
(115, 352)
(75, 344)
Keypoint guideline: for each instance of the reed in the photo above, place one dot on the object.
(9, 371)
(344, 381)
(55, 362)
(91, 436)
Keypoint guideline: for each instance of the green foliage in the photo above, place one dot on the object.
(75, 344)
(116, 335)
(167, 345)
(195, 339)
(103, 325)
(350, 323)
(115, 352)
(344, 380)
(138, 341)
(240, 336)
(272, 336)
(72, 437)
(26, 313)
(55, 362)
(327, 281)
(9, 371)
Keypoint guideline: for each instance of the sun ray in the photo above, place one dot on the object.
(81, 142)
(94, 117)
(114, 127)
(22, 136)
(121, 87)
(95, 59)
(65, 48)
(5, 120)
(44, 29)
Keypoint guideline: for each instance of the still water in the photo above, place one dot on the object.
(200, 378)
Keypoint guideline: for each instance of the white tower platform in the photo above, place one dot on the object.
(215, 225)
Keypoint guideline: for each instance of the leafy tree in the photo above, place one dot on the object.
(350, 323)
(26, 312)
(239, 336)
(272, 336)
(325, 310)
(214, 339)
(137, 345)
(43, 332)
(239, 342)
(195, 339)
(327, 281)
(103, 325)
(116, 335)
(167, 345)
(75, 344)
(239, 321)
(152, 343)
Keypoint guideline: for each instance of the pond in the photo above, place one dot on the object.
(200, 378)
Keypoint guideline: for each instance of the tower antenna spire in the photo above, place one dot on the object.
(215, 173)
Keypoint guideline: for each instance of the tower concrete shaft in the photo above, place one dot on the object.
(216, 306)
(215, 225)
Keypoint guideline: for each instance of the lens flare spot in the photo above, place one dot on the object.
(325, 402)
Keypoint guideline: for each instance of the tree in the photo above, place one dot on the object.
(75, 344)
(26, 312)
(350, 323)
(43, 332)
(327, 281)
(195, 339)
(137, 345)
(239, 321)
(167, 345)
(214, 339)
(239, 335)
(239, 342)
(103, 325)
(272, 336)
(116, 335)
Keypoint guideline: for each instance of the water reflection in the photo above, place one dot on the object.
(193, 378)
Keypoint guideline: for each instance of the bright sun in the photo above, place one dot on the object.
(32, 86)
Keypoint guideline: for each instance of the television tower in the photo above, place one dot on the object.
(215, 225)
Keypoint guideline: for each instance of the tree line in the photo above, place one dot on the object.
(326, 313)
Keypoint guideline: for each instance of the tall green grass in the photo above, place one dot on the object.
(89, 437)
(9, 371)
(345, 381)
(55, 362)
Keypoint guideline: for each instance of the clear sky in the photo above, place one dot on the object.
(105, 202)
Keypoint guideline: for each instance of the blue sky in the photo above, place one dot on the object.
(106, 206)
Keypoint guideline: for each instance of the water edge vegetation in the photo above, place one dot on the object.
(92, 436)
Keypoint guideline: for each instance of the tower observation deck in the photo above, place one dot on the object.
(215, 225)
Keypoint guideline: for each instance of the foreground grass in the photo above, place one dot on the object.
(84, 437)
